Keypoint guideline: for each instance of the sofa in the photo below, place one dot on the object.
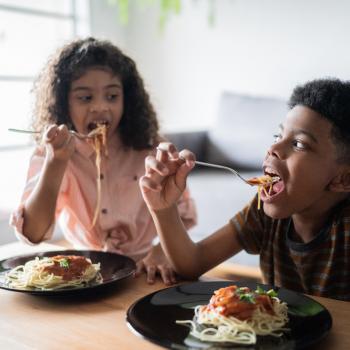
(242, 132)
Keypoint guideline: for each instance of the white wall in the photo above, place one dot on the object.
(105, 24)
(262, 47)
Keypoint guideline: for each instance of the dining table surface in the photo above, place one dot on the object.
(98, 321)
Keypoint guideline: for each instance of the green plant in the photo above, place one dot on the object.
(166, 9)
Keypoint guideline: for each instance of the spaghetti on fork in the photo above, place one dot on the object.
(98, 137)
(264, 183)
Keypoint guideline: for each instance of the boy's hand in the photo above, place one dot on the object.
(59, 142)
(155, 263)
(166, 175)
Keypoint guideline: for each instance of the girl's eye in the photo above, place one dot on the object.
(85, 98)
(112, 97)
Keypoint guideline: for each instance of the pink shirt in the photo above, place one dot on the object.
(124, 224)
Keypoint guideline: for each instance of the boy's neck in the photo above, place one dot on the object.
(306, 226)
(305, 230)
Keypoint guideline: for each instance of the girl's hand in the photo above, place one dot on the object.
(155, 263)
(59, 142)
(165, 177)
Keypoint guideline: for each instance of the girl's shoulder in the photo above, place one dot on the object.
(141, 152)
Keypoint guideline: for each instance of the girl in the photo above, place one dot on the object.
(86, 84)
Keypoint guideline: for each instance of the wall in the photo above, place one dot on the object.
(262, 47)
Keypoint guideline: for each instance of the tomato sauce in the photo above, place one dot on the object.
(76, 266)
(228, 302)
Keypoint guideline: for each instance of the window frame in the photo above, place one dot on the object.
(72, 15)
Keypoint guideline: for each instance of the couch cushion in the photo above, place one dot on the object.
(195, 141)
(244, 129)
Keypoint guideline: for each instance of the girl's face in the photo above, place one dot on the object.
(304, 157)
(96, 97)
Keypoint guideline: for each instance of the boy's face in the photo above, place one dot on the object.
(304, 156)
(96, 97)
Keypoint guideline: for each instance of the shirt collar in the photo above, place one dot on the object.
(84, 148)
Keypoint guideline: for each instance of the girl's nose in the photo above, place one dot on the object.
(98, 107)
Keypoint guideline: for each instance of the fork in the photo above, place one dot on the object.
(78, 135)
(210, 165)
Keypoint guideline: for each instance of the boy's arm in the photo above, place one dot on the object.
(188, 258)
(162, 186)
(39, 208)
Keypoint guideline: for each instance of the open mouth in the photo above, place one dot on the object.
(275, 187)
(96, 123)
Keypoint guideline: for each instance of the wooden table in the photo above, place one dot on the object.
(98, 321)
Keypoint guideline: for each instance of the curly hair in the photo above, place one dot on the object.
(331, 99)
(138, 126)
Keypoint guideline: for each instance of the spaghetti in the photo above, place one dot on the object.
(99, 142)
(238, 315)
(263, 182)
(56, 272)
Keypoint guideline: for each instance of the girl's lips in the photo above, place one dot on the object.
(93, 125)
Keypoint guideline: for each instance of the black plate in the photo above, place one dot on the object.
(114, 267)
(154, 316)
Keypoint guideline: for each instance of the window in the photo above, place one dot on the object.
(31, 30)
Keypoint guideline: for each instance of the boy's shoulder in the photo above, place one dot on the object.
(342, 209)
(341, 214)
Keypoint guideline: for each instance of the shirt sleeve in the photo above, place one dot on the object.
(249, 226)
(33, 176)
(187, 210)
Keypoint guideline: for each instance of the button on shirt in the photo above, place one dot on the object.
(124, 224)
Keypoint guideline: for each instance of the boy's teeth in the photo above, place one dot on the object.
(275, 177)
(270, 171)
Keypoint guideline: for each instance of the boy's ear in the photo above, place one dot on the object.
(341, 183)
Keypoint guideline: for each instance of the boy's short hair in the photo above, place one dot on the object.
(331, 99)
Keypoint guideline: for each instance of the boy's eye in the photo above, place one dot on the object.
(277, 137)
(299, 144)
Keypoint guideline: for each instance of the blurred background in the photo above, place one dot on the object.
(189, 52)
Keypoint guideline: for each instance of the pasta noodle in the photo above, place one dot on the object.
(263, 182)
(238, 315)
(50, 273)
(99, 139)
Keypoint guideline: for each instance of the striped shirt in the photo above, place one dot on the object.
(320, 267)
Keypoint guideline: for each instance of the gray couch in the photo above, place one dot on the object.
(240, 137)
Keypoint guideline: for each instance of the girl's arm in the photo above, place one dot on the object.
(162, 186)
(40, 206)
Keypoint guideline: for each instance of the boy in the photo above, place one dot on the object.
(302, 233)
